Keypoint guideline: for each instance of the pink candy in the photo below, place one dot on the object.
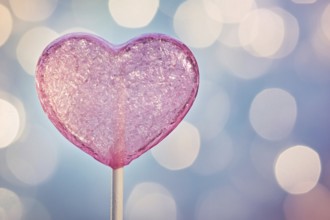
(116, 102)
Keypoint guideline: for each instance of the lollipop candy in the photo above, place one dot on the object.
(116, 102)
(100, 96)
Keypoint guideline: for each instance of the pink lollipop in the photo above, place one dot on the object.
(116, 102)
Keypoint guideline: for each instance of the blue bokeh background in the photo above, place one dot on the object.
(264, 91)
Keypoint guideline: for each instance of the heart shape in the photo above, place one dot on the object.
(116, 102)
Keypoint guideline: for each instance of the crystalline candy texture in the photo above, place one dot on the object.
(116, 102)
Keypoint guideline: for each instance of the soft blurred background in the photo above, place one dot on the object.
(255, 146)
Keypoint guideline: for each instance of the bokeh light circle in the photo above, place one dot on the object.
(273, 113)
(10, 123)
(34, 159)
(298, 169)
(33, 10)
(34, 209)
(230, 11)
(325, 19)
(242, 64)
(291, 30)
(10, 205)
(194, 26)
(31, 45)
(179, 149)
(133, 14)
(262, 32)
(6, 24)
(150, 201)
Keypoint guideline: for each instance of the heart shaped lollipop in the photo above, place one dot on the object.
(116, 102)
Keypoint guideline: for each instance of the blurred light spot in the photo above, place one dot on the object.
(212, 10)
(304, 1)
(273, 113)
(34, 159)
(291, 36)
(311, 205)
(6, 24)
(179, 149)
(262, 32)
(242, 64)
(298, 169)
(31, 45)
(33, 209)
(229, 11)
(33, 10)
(6, 175)
(133, 14)
(150, 201)
(311, 60)
(222, 203)
(19, 107)
(214, 156)
(10, 205)
(320, 47)
(325, 22)
(15, 103)
(10, 123)
(230, 34)
(194, 26)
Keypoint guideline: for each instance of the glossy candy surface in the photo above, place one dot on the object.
(116, 102)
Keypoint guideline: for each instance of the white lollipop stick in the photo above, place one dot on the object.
(117, 209)
(117, 194)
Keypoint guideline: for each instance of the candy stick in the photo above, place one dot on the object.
(118, 173)
(117, 194)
